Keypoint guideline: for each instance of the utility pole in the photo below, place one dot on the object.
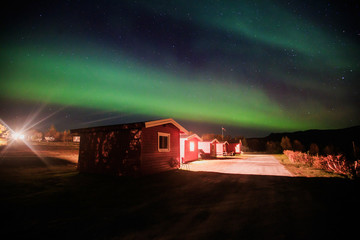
(222, 133)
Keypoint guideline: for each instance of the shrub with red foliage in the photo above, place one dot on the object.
(357, 168)
(318, 162)
(337, 164)
(333, 163)
(299, 157)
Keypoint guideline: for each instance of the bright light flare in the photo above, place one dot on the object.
(19, 136)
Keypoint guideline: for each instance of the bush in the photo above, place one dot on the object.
(332, 163)
(173, 163)
(318, 162)
(299, 157)
(357, 168)
(337, 164)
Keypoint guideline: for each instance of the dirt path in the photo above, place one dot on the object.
(254, 164)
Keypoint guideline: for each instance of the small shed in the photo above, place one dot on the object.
(221, 148)
(225, 147)
(210, 148)
(234, 148)
(189, 147)
(130, 149)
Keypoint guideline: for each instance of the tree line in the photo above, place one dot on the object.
(51, 135)
(311, 148)
(270, 146)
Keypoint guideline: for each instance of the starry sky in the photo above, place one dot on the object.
(253, 67)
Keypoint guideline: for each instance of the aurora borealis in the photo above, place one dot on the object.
(243, 64)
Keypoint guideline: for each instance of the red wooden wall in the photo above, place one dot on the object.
(191, 155)
(232, 146)
(114, 152)
(152, 160)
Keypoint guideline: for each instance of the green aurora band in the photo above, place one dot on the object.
(256, 64)
(130, 87)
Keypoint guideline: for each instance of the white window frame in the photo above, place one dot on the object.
(168, 142)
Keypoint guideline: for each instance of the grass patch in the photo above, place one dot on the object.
(61, 203)
(56, 145)
(302, 170)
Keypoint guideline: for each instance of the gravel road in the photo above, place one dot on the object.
(253, 164)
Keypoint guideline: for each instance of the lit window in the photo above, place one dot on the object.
(237, 148)
(192, 146)
(163, 142)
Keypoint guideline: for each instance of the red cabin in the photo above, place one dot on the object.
(189, 147)
(234, 148)
(210, 148)
(225, 147)
(130, 149)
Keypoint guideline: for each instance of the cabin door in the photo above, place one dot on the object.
(213, 149)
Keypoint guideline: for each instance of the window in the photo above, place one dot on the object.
(192, 146)
(163, 142)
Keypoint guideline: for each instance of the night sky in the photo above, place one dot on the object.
(253, 67)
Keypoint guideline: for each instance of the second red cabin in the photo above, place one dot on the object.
(189, 148)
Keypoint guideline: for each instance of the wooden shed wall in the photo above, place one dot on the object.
(232, 147)
(191, 155)
(225, 147)
(205, 146)
(208, 148)
(152, 160)
(114, 152)
(219, 149)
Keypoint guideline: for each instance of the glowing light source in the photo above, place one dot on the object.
(19, 136)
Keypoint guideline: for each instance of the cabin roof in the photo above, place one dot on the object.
(166, 121)
(187, 136)
(214, 140)
(135, 125)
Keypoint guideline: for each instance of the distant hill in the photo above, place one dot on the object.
(335, 140)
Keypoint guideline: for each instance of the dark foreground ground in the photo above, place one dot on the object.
(53, 201)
